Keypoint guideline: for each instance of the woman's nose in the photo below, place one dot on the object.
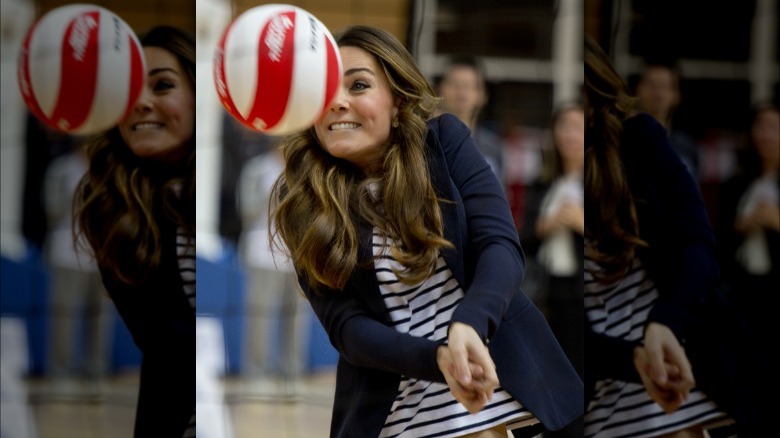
(340, 101)
(144, 102)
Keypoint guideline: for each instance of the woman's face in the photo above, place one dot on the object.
(461, 91)
(162, 121)
(766, 135)
(356, 125)
(657, 91)
(569, 137)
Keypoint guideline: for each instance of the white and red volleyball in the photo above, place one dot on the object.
(276, 69)
(80, 69)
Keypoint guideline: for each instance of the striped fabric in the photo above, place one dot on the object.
(624, 409)
(423, 408)
(185, 252)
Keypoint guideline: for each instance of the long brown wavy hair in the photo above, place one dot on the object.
(611, 223)
(121, 199)
(319, 200)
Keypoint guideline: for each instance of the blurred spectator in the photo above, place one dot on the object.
(553, 235)
(76, 292)
(274, 302)
(239, 145)
(749, 223)
(658, 93)
(522, 167)
(464, 93)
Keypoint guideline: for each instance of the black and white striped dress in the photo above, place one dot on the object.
(185, 253)
(422, 408)
(624, 409)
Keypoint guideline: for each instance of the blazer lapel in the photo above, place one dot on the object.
(365, 276)
(449, 204)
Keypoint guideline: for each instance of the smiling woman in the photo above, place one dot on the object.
(405, 247)
(359, 118)
(162, 120)
(135, 206)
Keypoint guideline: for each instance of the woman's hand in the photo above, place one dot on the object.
(467, 351)
(572, 216)
(767, 215)
(470, 397)
(663, 367)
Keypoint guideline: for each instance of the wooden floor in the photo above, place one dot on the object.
(301, 412)
(254, 409)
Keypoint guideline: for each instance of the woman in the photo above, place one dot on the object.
(553, 234)
(405, 247)
(135, 206)
(463, 92)
(660, 340)
(658, 94)
(749, 224)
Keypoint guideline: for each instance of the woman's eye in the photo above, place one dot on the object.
(359, 86)
(163, 85)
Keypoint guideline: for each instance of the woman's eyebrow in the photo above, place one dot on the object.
(353, 71)
(155, 71)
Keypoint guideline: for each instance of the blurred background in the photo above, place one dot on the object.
(709, 71)
(711, 63)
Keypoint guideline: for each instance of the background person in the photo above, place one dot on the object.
(553, 236)
(463, 92)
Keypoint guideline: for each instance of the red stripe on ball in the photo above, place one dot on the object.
(275, 66)
(79, 72)
(333, 73)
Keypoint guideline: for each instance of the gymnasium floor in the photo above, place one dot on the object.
(256, 409)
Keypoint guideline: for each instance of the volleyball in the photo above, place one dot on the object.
(80, 69)
(276, 69)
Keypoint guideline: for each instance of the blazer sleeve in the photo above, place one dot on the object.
(493, 243)
(364, 341)
(682, 242)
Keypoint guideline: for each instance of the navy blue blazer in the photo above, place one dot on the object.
(681, 260)
(488, 262)
(680, 256)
